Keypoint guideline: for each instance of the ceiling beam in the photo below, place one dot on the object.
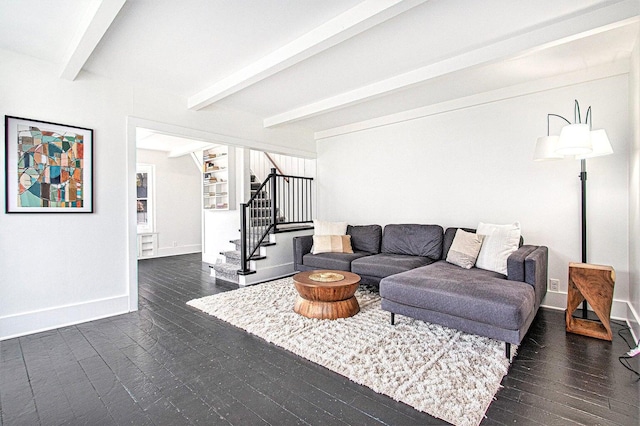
(576, 27)
(619, 67)
(96, 22)
(360, 18)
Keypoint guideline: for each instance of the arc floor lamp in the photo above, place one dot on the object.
(579, 141)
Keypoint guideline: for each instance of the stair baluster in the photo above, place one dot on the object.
(264, 212)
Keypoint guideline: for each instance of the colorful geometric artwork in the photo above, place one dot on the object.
(48, 167)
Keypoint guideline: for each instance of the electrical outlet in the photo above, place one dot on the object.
(553, 284)
(175, 244)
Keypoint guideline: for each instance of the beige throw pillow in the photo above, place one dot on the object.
(464, 249)
(332, 244)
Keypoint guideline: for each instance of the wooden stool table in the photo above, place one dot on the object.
(326, 294)
(593, 283)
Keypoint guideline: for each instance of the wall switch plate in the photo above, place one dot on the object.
(553, 284)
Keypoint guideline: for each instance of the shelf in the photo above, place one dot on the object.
(147, 244)
(219, 157)
(215, 195)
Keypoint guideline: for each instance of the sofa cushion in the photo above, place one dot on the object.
(385, 264)
(365, 238)
(474, 294)
(415, 240)
(464, 249)
(339, 261)
(332, 244)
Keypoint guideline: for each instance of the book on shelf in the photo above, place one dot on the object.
(211, 156)
(218, 206)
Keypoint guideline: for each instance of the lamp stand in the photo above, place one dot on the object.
(583, 181)
(582, 141)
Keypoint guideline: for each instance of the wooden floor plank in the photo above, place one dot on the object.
(170, 364)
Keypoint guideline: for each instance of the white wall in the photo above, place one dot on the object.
(634, 188)
(59, 269)
(178, 202)
(462, 167)
(295, 166)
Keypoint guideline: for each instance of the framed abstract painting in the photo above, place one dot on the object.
(49, 167)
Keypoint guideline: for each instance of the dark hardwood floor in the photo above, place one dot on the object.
(169, 364)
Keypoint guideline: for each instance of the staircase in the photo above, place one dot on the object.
(261, 208)
(274, 244)
(228, 271)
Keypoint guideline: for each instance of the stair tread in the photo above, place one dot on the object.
(264, 243)
(232, 258)
(227, 268)
(235, 255)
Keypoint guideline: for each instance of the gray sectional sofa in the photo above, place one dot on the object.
(408, 263)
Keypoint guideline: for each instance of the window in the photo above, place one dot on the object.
(144, 197)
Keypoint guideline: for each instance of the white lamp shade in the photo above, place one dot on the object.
(600, 144)
(575, 139)
(546, 149)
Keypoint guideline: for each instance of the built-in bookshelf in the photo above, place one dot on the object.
(216, 171)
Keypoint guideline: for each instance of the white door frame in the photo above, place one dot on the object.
(170, 129)
(132, 230)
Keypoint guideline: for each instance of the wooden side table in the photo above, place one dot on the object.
(326, 300)
(593, 283)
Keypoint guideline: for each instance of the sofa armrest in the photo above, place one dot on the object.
(529, 264)
(301, 246)
(515, 263)
(536, 272)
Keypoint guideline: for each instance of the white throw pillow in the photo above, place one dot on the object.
(499, 242)
(321, 227)
(464, 249)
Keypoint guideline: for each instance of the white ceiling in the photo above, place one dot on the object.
(174, 145)
(322, 63)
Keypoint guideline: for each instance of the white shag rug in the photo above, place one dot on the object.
(447, 373)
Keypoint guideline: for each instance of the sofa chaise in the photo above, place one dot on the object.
(408, 263)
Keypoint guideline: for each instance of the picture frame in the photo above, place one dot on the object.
(48, 167)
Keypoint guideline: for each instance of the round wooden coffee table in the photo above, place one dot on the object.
(326, 294)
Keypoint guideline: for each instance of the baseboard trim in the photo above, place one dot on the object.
(620, 310)
(558, 300)
(48, 319)
(633, 319)
(175, 251)
(268, 273)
